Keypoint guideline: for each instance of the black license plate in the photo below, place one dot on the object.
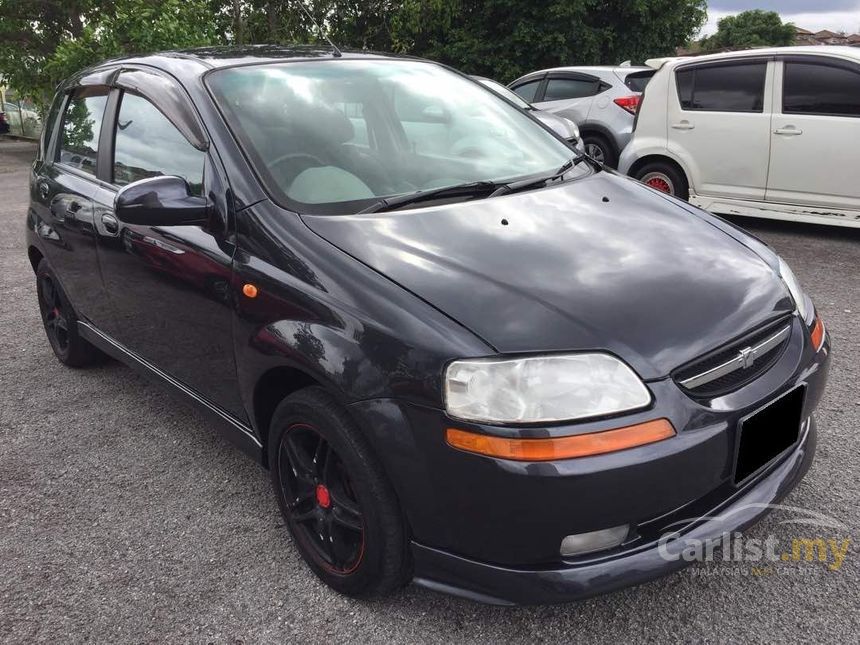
(768, 433)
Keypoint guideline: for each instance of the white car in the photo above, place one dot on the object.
(769, 133)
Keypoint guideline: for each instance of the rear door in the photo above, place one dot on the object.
(816, 129)
(64, 181)
(170, 286)
(719, 116)
(570, 94)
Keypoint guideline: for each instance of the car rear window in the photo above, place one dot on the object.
(815, 88)
(737, 87)
(637, 81)
(558, 89)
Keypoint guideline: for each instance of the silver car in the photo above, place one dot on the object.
(601, 100)
(565, 127)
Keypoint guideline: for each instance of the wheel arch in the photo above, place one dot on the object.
(35, 256)
(658, 158)
(272, 387)
(601, 131)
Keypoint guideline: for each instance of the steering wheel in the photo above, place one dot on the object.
(290, 156)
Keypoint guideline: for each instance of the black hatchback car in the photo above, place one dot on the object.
(469, 357)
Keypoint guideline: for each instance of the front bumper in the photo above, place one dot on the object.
(442, 571)
(490, 529)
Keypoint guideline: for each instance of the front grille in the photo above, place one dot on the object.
(725, 370)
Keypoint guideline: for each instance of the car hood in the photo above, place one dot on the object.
(563, 127)
(599, 263)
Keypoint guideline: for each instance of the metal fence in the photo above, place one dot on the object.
(21, 114)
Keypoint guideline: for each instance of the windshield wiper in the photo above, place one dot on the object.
(471, 188)
(514, 186)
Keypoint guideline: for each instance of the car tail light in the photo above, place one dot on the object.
(629, 103)
(570, 447)
(817, 333)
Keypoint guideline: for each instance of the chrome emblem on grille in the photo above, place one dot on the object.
(744, 359)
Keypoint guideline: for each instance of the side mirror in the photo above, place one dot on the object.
(160, 201)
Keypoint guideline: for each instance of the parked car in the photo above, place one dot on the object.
(4, 124)
(765, 133)
(467, 355)
(602, 101)
(21, 121)
(563, 127)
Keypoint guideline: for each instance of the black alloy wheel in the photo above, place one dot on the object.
(61, 323)
(337, 501)
(323, 509)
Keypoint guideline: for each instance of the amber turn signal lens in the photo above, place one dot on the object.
(583, 445)
(250, 290)
(817, 334)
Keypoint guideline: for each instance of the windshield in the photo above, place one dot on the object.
(335, 136)
(503, 91)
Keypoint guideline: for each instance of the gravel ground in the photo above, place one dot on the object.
(123, 518)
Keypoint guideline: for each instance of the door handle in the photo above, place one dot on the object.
(789, 131)
(110, 223)
(683, 125)
(43, 190)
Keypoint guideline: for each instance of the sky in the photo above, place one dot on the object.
(815, 15)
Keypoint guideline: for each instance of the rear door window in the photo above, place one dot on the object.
(815, 88)
(48, 129)
(558, 89)
(723, 88)
(82, 122)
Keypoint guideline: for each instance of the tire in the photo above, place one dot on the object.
(665, 177)
(61, 322)
(598, 147)
(319, 495)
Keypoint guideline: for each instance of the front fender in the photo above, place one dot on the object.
(345, 326)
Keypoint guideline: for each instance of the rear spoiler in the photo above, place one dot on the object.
(657, 63)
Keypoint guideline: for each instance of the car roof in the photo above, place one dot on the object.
(603, 71)
(194, 62)
(817, 50)
(617, 69)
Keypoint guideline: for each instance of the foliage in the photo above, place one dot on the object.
(755, 28)
(45, 41)
(506, 38)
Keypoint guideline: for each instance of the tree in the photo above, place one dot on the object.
(41, 43)
(754, 28)
(506, 38)
(45, 41)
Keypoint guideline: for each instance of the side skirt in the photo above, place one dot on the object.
(229, 426)
(769, 210)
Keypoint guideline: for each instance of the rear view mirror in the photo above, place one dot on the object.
(160, 201)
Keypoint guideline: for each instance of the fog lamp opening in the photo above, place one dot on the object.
(582, 543)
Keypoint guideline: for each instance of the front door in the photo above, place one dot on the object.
(814, 155)
(169, 285)
(719, 126)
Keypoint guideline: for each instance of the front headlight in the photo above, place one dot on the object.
(801, 300)
(542, 389)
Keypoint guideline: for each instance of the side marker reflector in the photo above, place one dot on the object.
(583, 445)
(250, 290)
(817, 334)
